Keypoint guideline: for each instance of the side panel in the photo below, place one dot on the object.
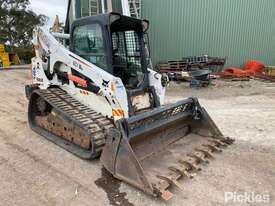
(93, 101)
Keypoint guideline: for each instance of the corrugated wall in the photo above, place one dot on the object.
(236, 29)
(117, 6)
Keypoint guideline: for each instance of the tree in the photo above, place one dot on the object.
(17, 22)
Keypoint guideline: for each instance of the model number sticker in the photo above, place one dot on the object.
(76, 64)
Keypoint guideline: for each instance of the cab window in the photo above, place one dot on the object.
(88, 43)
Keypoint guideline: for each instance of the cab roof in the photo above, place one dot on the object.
(114, 20)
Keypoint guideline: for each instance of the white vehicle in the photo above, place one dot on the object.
(99, 98)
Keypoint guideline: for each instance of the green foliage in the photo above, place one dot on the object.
(17, 22)
(24, 53)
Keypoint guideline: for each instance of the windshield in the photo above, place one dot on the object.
(88, 43)
(127, 58)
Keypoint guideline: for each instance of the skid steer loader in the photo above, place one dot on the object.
(98, 99)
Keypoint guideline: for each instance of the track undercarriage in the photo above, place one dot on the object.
(68, 123)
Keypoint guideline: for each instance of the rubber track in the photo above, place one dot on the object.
(94, 123)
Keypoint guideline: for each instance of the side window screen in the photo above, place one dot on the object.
(127, 58)
(88, 43)
(126, 49)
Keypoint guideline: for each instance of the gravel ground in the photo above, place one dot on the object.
(34, 171)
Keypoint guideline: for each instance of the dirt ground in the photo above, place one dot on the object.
(35, 172)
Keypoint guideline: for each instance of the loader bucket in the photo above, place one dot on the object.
(153, 150)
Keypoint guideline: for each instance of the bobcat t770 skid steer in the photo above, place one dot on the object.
(98, 98)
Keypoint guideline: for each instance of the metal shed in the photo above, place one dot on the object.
(236, 29)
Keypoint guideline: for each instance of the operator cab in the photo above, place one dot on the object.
(114, 43)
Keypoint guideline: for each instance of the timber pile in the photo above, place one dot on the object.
(176, 69)
(268, 74)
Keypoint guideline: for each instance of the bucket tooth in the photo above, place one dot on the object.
(205, 152)
(190, 165)
(166, 195)
(219, 143)
(183, 172)
(170, 181)
(198, 158)
(213, 148)
(228, 140)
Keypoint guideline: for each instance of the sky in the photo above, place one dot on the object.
(50, 8)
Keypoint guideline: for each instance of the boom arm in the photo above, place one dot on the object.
(46, 45)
